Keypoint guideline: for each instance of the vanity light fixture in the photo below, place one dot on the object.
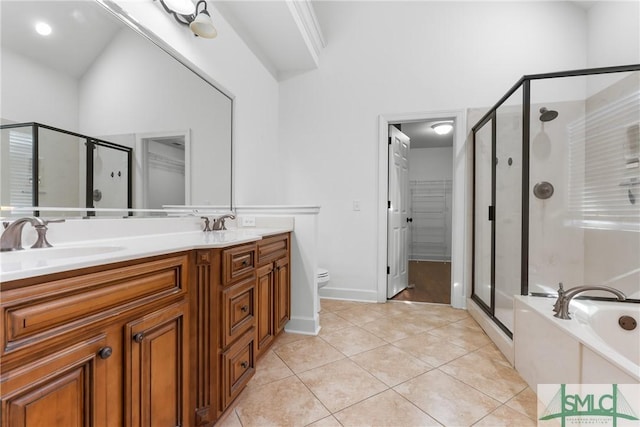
(43, 28)
(186, 14)
(442, 128)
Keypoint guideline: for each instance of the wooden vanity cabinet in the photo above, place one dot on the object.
(273, 290)
(100, 346)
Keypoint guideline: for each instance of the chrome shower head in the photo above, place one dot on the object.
(547, 115)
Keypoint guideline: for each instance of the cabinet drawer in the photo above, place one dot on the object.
(237, 367)
(238, 310)
(74, 303)
(238, 262)
(272, 248)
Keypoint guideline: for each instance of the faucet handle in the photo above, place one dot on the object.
(206, 223)
(5, 224)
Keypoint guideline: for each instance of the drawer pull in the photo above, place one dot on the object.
(138, 337)
(105, 352)
(244, 365)
(245, 263)
(244, 308)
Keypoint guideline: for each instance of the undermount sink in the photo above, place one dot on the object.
(57, 253)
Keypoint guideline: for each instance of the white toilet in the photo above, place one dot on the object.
(322, 275)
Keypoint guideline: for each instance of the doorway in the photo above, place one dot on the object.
(419, 218)
(460, 245)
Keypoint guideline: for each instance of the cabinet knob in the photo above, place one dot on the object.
(138, 337)
(244, 308)
(245, 263)
(244, 365)
(105, 352)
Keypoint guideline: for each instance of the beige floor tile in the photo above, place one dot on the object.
(353, 340)
(341, 384)
(306, 354)
(329, 421)
(393, 328)
(470, 323)
(281, 403)
(525, 402)
(393, 308)
(360, 315)
(431, 349)
(494, 378)
(333, 305)
(505, 417)
(424, 321)
(269, 368)
(287, 338)
(330, 322)
(385, 409)
(462, 336)
(230, 420)
(391, 365)
(447, 400)
(491, 351)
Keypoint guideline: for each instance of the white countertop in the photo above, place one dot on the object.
(63, 257)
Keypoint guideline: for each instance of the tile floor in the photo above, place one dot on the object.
(394, 364)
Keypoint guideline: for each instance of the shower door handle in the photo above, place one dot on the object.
(492, 213)
(409, 219)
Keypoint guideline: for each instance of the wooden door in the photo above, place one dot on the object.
(282, 294)
(264, 307)
(67, 388)
(156, 369)
(398, 213)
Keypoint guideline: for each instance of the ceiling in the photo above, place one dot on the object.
(77, 37)
(422, 136)
(284, 35)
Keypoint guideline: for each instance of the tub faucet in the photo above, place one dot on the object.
(11, 239)
(561, 307)
(218, 224)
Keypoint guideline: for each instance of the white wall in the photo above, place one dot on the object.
(431, 163)
(617, 44)
(390, 57)
(42, 95)
(227, 60)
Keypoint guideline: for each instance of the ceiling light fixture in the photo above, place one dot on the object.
(442, 128)
(43, 28)
(186, 14)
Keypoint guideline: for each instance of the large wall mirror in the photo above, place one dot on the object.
(96, 76)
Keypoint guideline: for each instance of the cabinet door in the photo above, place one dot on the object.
(282, 294)
(67, 388)
(156, 368)
(264, 308)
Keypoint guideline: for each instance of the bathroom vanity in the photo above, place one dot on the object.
(166, 339)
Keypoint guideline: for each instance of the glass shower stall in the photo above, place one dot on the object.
(556, 169)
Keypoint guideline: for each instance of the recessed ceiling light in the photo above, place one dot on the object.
(43, 28)
(442, 128)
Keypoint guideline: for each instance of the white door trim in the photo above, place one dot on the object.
(140, 164)
(458, 206)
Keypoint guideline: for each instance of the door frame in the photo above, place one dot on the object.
(142, 165)
(459, 286)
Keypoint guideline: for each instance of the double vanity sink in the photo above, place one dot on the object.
(98, 321)
(34, 262)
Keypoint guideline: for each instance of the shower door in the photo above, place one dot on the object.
(483, 226)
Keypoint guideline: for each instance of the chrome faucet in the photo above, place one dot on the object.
(218, 223)
(11, 239)
(561, 306)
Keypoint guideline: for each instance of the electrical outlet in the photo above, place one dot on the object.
(356, 205)
(248, 221)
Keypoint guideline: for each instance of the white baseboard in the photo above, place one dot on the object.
(348, 294)
(303, 325)
(497, 335)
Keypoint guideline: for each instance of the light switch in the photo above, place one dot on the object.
(356, 205)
